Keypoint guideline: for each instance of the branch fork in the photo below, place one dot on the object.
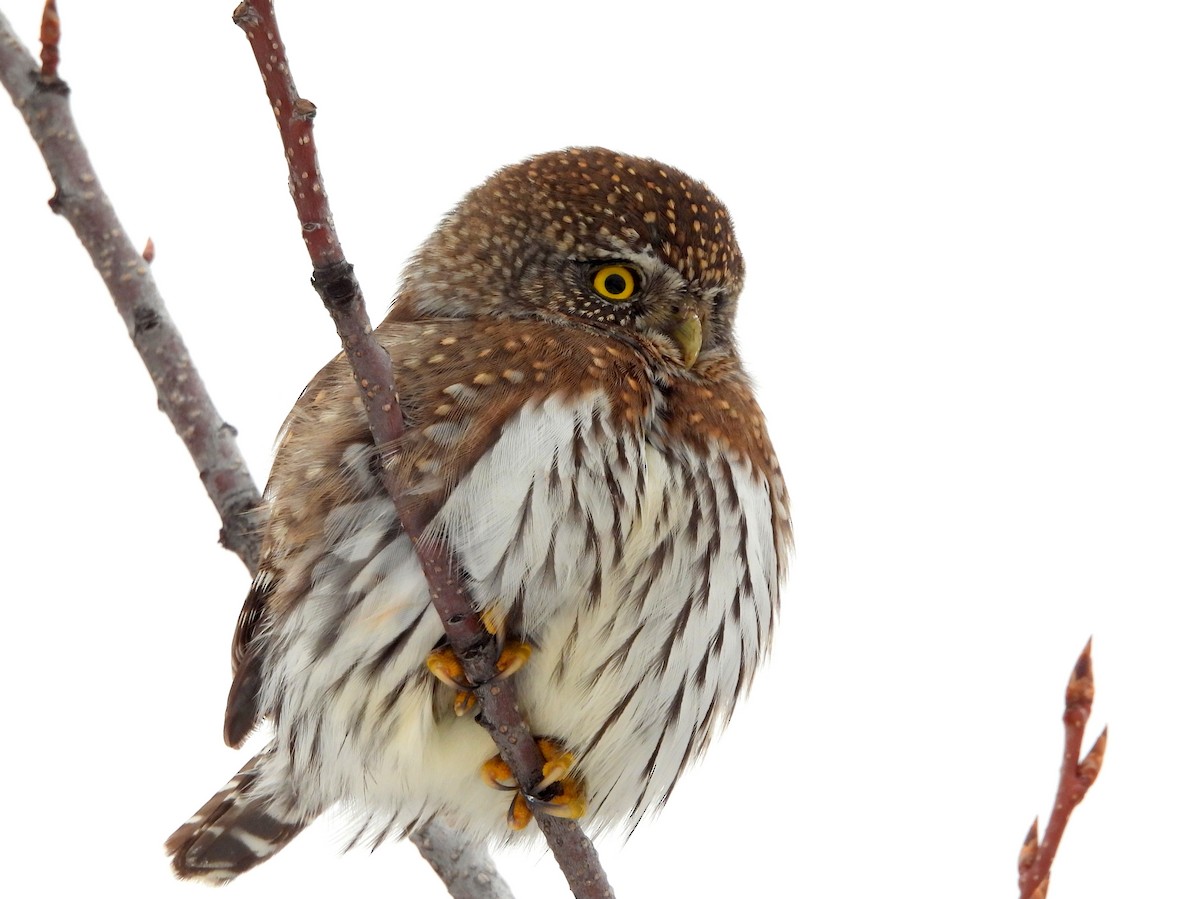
(42, 98)
(1076, 777)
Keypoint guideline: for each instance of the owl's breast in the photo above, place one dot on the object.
(644, 573)
(536, 521)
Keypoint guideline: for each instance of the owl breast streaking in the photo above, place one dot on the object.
(582, 437)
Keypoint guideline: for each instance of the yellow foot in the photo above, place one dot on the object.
(512, 657)
(445, 666)
(556, 793)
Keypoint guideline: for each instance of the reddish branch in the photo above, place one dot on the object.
(49, 38)
(1075, 778)
(42, 99)
(334, 279)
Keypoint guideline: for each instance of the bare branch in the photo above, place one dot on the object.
(464, 867)
(334, 279)
(42, 99)
(1075, 778)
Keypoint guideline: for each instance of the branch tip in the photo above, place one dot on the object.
(1081, 688)
(1075, 778)
(50, 33)
(1029, 848)
(1089, 767)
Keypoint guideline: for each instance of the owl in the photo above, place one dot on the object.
(583, 439)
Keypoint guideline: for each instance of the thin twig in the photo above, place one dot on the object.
(50, 33)
(42, 99)
(334, 279)
(1075, 778)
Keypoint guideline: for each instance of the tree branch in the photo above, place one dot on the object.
(464, 867)
(1075, 777)
(42, 98)
(334, 280)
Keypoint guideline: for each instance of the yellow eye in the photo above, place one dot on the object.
(614, 282)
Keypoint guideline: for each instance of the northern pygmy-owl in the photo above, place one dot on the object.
(583, 437)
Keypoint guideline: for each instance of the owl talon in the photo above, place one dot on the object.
(571, 806)
(445, 666)
(493, 620)
(497, 775)
(513, 657)
(569, 803)
(519, 814)
(567, 800)
(464, 701)
(556, 768)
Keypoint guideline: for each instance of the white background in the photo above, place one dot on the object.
(972, 236)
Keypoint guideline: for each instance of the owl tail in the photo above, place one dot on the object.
(234, 831)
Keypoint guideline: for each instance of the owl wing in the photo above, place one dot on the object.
(242, 707)
(461, 380)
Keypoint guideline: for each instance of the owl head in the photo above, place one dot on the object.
(591, 239)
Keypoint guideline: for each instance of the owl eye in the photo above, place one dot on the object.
(615, 282)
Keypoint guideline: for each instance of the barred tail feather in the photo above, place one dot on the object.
(234, 831)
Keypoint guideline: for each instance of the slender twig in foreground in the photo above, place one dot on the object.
(42, 99)
(1075, 778)
(334, 279)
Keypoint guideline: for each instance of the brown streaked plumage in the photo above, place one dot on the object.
(582, 435)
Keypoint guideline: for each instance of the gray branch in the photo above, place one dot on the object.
(42, 100)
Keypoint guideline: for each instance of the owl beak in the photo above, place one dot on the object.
(689, 337)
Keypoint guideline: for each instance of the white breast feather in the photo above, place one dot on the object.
(633, 676)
